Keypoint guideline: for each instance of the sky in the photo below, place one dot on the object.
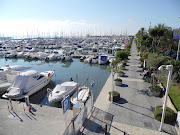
(80, 17)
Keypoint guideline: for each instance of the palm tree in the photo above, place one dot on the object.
(157, 32)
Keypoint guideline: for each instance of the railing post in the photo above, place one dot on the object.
(74, 133)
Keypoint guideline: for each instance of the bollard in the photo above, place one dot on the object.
(24, 108)
(11, 104)
(27, 100)
(30, 109)
(74, 133)
(8, 106)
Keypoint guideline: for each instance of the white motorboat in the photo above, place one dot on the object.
(7, 70)
(52, 56)
(10, 55)
(94, 60)
(8, 74)
(66, 88)
(88, 60)
(7, 82)
(83, 94)
(28, 83)
(67, 57)
(103, 59)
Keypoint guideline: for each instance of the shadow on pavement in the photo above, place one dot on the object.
(18, 116)
(150, 109)
(124, 85)
(144, 92)
(121, 101)
(98, 123)
(139, 71)
(125, 76)
(135, 111)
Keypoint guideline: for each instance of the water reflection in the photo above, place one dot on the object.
(39, 96)
(63, 72)
(67, 64)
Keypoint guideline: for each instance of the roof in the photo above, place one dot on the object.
(29, 73)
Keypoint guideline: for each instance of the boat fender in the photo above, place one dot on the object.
(48, 75)
(49, 91)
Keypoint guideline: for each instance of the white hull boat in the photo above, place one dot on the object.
(7, 82)
(103, 59)
(83, 94)
(61, 90)
(28, 83)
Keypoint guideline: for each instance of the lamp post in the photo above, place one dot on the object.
(169, 68)
(177, 57)
(112, 85)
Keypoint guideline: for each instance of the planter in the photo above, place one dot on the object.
(120, 74)
(122, 67)
(154, 93)
(155, 90)
(116, 96)
(118, 83)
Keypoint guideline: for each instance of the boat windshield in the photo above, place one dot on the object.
(66, 88)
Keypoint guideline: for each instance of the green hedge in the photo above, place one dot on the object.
(170, 116)
(155, 88)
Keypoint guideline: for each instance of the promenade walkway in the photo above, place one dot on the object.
(43, 120)
(134, 113)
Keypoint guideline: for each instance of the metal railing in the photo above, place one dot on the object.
(77, 122)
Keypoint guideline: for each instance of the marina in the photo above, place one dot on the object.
(63, 72)
(66, 57)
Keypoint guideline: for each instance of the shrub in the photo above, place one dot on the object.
(170, 116)
(122, 54)
(141, 59)
(116, 96)
(145, 68)
(123, 64)
(119, 71)
(148, 79)
(118, 79)
(155, 88)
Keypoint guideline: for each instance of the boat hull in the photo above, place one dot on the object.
(35, 89)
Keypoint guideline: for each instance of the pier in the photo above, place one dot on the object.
(43, 120)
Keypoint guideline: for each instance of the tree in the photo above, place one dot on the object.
(157, 32)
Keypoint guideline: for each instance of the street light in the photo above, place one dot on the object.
(112, 85)
(169, 68)
(177, 57)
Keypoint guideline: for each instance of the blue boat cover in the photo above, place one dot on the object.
(104, 58)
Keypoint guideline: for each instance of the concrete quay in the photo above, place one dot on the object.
(43, 120)
(133, 114)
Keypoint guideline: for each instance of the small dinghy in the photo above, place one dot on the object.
(82, 95)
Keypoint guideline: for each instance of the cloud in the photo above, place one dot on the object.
(33, 27)
(131, 21)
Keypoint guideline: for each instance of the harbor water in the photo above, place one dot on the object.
(63, 72)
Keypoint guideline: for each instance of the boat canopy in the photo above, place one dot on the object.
(29, 73)
(66, 86)
(104, 57)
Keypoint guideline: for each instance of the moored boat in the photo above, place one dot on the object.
(83, 94)
(66, 88)
(28, 83)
